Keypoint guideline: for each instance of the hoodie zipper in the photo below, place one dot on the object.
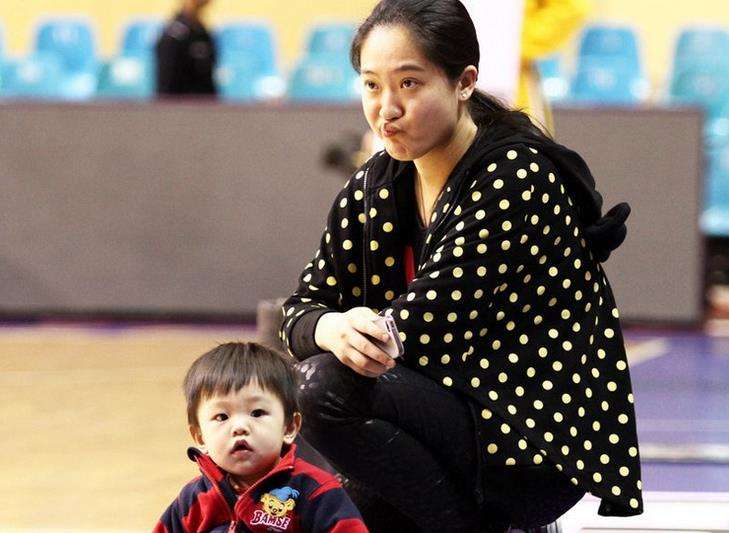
(365, 241)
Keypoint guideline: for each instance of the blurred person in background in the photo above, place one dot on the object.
(186, 54)
(547, 26)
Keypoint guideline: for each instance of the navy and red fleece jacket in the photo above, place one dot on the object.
(294, 497)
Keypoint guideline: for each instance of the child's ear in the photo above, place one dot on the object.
(292, 428)
(197, 436)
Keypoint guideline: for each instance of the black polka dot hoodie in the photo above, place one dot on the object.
(509, 304)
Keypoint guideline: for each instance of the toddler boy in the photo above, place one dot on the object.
(243, 416)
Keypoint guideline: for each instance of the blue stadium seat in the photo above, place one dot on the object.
(72, 40)
(39, 76)
(613, 41)
(127, 77)
(607, 81)
(701, 45)
(331, 40)
(238, 79)
(248, 42)
(555, 86)
(716, 128)
(703, 84)
(140, 37)
(715, 218)
(317, 79)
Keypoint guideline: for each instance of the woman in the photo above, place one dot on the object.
(482, 238)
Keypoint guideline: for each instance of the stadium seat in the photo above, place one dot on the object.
(715, 218)
(607, 81)
(331, 40)
(140, 37)
(127, 77)
(248, 42)
(701, 45)
(72, 40)
(39, 76)
(317, 79)
(611, 41)
(703, 84)
(238, 79)
(554, 84)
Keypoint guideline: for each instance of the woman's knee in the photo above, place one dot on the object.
(326, 387)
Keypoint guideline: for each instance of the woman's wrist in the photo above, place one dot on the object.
(321, 331)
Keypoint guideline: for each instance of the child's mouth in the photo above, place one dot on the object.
(241, 447)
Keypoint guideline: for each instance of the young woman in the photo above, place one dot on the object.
(482, 238)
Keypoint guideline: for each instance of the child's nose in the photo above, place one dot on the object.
(241, 426)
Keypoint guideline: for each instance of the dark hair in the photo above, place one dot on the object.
(445, 33)
(230, 367)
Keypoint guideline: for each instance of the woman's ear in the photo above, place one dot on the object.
(467, 82)
(197, 436)
(292, 428)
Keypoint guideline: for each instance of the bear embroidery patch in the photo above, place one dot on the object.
(277, 505)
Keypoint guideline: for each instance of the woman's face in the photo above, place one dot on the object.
(408, 101)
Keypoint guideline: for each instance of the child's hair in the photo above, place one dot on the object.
(231, 366)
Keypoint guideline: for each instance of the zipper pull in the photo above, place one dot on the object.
(233, 526)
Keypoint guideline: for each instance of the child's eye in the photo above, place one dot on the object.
(220, 417)
(258, 413)
(408, 83)
(370, 85)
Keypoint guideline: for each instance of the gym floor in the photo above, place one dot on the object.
(95, 434)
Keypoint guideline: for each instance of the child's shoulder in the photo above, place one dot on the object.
(315, 480)
(193, 489)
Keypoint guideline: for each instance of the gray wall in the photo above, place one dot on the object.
(209, 208)
(652, 159)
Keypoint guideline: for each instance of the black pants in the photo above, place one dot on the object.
(410, 444)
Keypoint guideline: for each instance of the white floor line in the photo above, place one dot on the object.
(644, 351)
(704, 453)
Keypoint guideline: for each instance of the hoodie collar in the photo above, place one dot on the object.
(218, 477)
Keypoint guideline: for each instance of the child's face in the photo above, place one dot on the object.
(243, 431)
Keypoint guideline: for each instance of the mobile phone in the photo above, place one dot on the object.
(393, 346)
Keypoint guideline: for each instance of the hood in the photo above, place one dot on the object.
(603, 233)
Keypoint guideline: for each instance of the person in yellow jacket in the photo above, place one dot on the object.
(547, 26)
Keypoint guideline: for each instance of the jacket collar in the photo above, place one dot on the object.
(217, 476)
(573, 170)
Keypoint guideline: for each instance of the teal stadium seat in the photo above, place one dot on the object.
(38, 76)
(127, 77)
(705, 84)
(607, 81)
(251, 39)
(72, 40)
(611, 41)
(331, 40)
(701, 45)
(555, 85)
(716, 129)
(140, 37)
(715, 217)
(316, 78)
(247, 67)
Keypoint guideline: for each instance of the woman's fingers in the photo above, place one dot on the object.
(365, 346)
(365, 324)
(364, 365)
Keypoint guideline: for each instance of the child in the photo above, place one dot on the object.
(243, 416)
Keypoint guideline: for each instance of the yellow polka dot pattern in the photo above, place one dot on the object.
(508, 307)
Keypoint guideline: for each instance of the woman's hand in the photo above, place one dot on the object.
(346, 336)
